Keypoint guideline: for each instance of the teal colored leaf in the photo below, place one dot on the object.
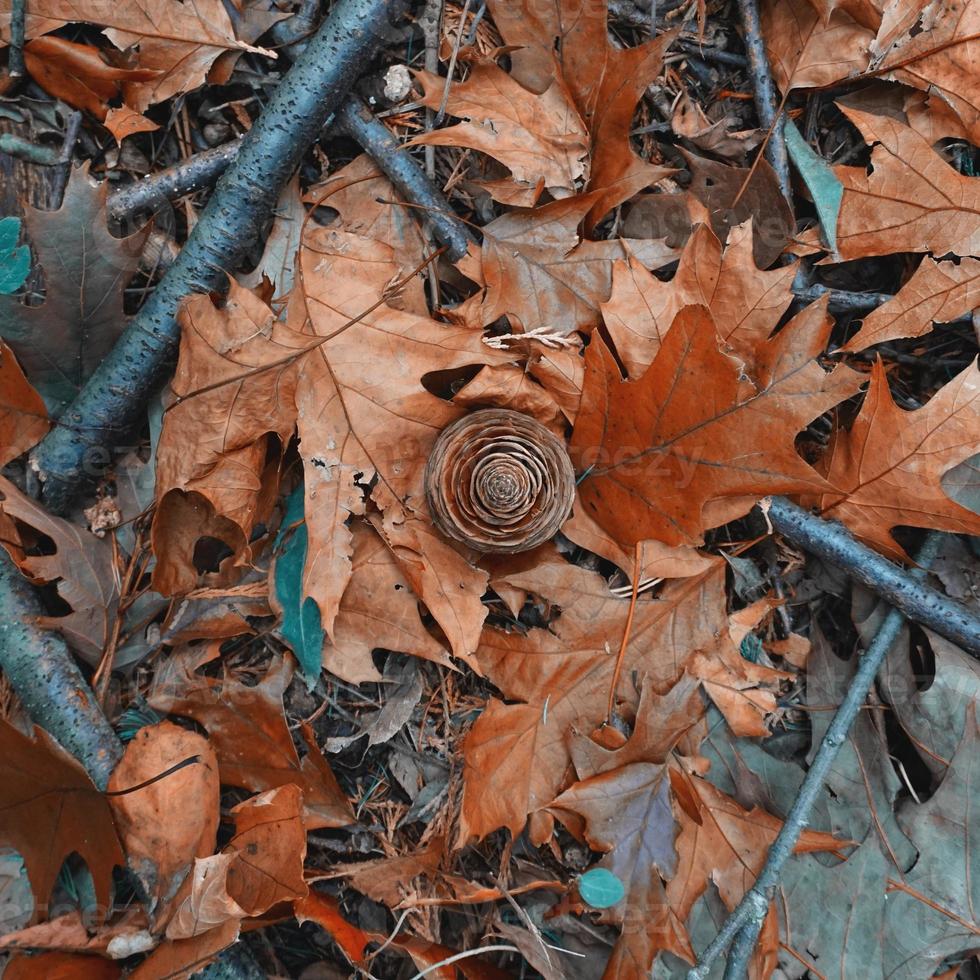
(301, 627)
(9, 234)
(819, 178)
(600, 888)
(15, 262)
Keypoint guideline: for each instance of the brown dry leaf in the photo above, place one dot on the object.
(626, 814)
(935, 49)
(261, 866)
(937, 292)
(357, 422)
(657, 560)
(62, 341)
(61, 966)
(388, 879)
(887, 469)
(517, 755)
(23, 417)
(50, 809)
(732, 195)
(123, 122)
(248, 731)
(162, 836)
(73, 933)
(369, 206)
(511, 386)
(377, 610)
(539, 138)
(605, 82)
(912, 201)
(865, 12)
(217, 444)
(80, 75)
(745, 301)
(807, 51)
(657, 451)
(82, 567)
(539, 273)
(177, 42)
(723, 843)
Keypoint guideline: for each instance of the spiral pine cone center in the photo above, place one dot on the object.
(499, 481)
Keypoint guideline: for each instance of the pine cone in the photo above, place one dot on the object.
(499, 481)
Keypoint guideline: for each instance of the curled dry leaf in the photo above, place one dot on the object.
(499, 481)
(161, 833)
(569, 39)
(261, 866)
(177, 43)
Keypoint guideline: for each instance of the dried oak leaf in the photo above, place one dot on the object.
(249, 733)
(498, 481)
(745, 301)
(732, 195)
(539, 273)
(539, 138)
(177, 42)
(363, 412)
(73, 933)
(912, 201)
(937, 292)
(23, 417)
(887, 469)
(517, 755)
(940, 894)
(935, 48)
(51, 809)
(82, 566)
(605, 83)
(720, 842)
(61, 342)
(808, 51)
(692, 444)
(626, 813)
(161, 835)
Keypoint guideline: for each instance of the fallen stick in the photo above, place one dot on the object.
(741, 928)
(903, 590)
(15, 54)
(47, 680)
(406, 175)
(766, 104)
(112, 401)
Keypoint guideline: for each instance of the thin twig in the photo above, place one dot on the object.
(743, 925)
(449, 960)
(765, 95)
(60, 181)
(903, 590)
